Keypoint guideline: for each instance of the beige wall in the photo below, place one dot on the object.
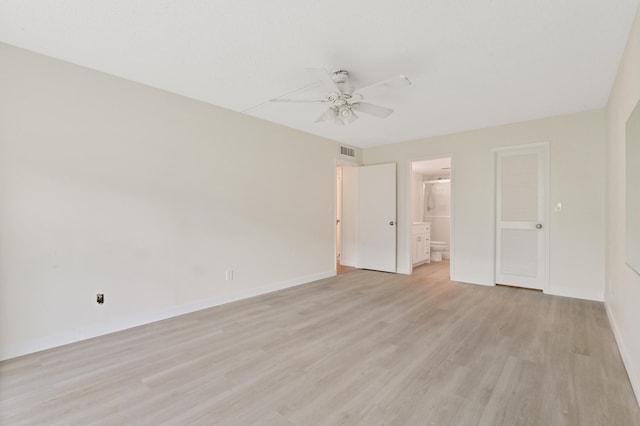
(623, 289)
(577, 164)
(416, 197)
(108, 186)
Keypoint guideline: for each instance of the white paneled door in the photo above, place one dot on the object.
(376, 241)
(521, 216)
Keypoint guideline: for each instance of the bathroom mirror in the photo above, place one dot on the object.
(633, 189)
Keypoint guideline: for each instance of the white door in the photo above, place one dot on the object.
(521, 225)
(376, 212)
(338, 212)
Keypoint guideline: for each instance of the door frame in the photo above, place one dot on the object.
(545, 217)
(408, 222)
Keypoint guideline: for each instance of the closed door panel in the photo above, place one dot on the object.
(521, 241)
(377, 217)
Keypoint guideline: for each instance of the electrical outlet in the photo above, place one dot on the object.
(100, 298)
(229, 275)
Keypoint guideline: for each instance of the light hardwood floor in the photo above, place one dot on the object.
(363, 348)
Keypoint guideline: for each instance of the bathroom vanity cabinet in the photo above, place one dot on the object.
(421, 242)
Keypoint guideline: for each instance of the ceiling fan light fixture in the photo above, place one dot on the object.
(346, 114)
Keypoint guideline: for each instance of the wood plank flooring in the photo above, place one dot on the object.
(363, 348)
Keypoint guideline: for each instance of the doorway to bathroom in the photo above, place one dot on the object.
(431, 210)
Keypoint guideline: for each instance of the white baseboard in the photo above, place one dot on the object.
(96, 330)
(632, 371)
(576, 294)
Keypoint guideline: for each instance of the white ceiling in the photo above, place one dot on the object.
(473, 63)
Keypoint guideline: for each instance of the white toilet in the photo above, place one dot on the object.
(437, 249)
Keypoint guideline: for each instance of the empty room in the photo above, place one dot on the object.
(320, 213)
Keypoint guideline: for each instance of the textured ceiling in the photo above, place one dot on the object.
(473, 63)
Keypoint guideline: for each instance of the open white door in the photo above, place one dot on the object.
(338, 212)
(521, 234)
(376, 212)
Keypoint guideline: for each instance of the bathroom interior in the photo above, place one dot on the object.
(431, 211)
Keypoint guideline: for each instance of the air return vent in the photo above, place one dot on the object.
(349, 152)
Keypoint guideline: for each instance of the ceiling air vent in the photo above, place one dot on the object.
(349, 152)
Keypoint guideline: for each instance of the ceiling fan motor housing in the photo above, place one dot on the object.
(341, 78)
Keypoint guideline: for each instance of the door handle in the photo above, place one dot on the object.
(392, 223)
(539, 226)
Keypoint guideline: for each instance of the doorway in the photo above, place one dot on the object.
(366, 217)
(431, 214)
(346, 197)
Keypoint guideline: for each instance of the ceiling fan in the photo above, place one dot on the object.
(343, 99)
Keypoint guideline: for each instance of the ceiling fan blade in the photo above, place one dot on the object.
(382, 87)
(372, 109)
(329, 115)
(303, 101)
(324, 77)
